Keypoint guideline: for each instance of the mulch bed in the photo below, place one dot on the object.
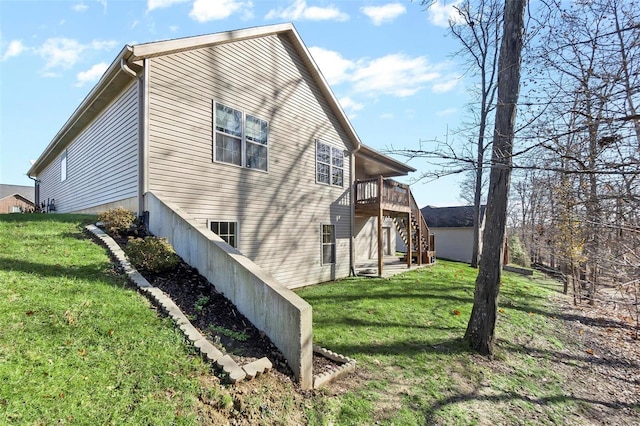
(218, 319)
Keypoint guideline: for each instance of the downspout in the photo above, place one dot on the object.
(36, 191)
(125, 68)
(141, 134)
(352, 224)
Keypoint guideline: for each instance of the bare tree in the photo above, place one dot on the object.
(588, 136)
(477, 28)
(481, 327)
(478, 31)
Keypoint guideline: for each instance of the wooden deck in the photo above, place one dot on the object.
(380, 197)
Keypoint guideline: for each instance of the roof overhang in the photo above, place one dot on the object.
(374, 163)
(113, 81)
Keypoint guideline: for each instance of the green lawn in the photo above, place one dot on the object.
(77, 345)
(413, 368)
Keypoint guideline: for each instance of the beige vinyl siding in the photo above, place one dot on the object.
(102, 164)
(280, 212)
(366, 232)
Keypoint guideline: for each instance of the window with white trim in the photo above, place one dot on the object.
(240, 138)
(328, 244)
(329, 164)
(227, 230)
(63, 166)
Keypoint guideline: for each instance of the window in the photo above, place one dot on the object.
(63, 166)
(240, 138)
(328, 244)
(329, 164)
(226, 230)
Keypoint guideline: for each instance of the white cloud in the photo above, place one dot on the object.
(160, 4)
(349, 105)
(395, 75)
(80, 7)
(61, 52)
(447, 85)
(299, 10)
(15, 48)
(333, 66)
(386, 13)
(440, 13)
(174, 28)
(92, 74)
(210, 10)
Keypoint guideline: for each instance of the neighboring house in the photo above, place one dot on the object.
(16, 198)
(453, 228)
(235, 134)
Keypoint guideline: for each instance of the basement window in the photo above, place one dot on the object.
(227, 230)
(328, 244)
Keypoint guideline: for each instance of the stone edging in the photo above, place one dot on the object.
(347, 366)
(224, 363)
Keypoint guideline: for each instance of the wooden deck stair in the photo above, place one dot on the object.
(386, 197)
(401, 226)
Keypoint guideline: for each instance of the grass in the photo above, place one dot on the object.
(76, 343)
(413, 368)
(79, 345)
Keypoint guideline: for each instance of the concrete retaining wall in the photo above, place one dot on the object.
(270, 306)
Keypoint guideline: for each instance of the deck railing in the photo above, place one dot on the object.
(391, 193)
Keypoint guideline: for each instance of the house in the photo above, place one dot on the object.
(453, 229)
(232, 144)
(16, 198)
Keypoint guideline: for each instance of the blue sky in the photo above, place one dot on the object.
(389, 63)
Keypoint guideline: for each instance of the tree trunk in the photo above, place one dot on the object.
(481, 327)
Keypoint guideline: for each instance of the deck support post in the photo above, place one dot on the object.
(409, 254)
(419, 222)
(380, 218)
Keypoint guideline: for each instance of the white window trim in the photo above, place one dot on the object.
(63, 166)
(209, 221)
(331, 166)
(333, 243)
(243, 139)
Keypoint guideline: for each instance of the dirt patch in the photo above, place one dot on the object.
(605, 374)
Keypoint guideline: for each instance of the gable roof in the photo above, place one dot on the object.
(129, 62)
(450, 217)
(26, 192)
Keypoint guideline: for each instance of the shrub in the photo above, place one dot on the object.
(118, 220)
(151, 254)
